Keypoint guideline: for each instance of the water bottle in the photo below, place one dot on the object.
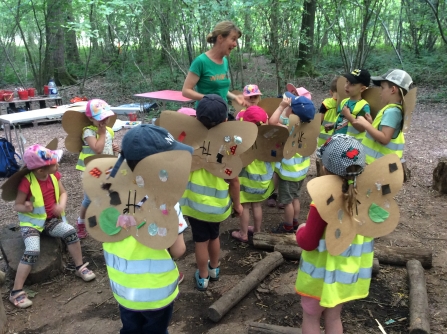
(52, 88)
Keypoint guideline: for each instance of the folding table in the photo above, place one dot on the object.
(164, 96)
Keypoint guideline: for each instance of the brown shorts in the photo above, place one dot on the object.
(288, 191)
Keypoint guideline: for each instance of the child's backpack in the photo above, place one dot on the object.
(8, 162)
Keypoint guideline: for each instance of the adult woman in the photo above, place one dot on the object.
(209, 71)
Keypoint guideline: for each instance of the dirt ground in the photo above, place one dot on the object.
(66, 304)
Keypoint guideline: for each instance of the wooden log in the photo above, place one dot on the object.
(260, 328)
(268, 241)
(289, 252)
(399, 256)
(419, 314)
(2, 278)
(440, 176)
(248, 283)
(376, 267)
(407, 171)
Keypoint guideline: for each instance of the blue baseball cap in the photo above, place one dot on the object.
(302, 107)
(145, 140)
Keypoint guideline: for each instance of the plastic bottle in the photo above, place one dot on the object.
(52, 88)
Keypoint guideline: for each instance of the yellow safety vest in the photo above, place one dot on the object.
(375, 150)
(141, 278)
(293, 169)
(351, 131)
(256, 181)
(330, 117)
(336, 279)
(206, 197)
(37, 218)
(86, 149)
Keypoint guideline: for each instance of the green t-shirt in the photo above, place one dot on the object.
(341, 125)
(392, 117)
(213, 78)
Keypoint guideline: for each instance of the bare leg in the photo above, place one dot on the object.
(288, 213)
(178, 248)
(75, 251)
(257, 216)
(23, 271)
(244, 221)
(82, 212)
(202, 256)
(214, 252)
(296, 208)
(332, 320)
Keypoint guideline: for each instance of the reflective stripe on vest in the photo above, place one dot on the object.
(141, 278)
(206, 197)
(293, 169)
(256, 181)
(330, 117)
(375, 150)
(37, 218)
(86, 149)
(336, 276)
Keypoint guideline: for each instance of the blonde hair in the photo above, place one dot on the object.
(349, 190)
(223, 28)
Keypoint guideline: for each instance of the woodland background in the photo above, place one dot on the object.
(147, 45)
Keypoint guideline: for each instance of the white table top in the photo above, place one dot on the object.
(33, 115)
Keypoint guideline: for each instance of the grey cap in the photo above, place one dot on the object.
(398, 77)
(340, 152)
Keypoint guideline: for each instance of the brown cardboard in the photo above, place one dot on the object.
(326, 193)
(409, 105)
(73, 122)
(168, 192)
(302, 137)
(269, 104)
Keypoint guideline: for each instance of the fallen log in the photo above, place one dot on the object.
(219, 308)
(268, 241)
(259, 328)
(376, 267)
(419, 316)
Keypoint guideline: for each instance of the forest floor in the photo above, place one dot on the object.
(422, 224)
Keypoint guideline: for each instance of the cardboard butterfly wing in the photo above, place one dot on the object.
(73, 122)
(139, 203)
(268, 145)
(376, 213)
(270, 104)
(409, 105)
(302, 137)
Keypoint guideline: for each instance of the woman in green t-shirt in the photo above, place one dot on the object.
(208, 73)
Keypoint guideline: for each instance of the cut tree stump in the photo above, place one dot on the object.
(407, 172)
(419, 313)
(440, 176)
(248, 283)
(3, 322)
(399, 256)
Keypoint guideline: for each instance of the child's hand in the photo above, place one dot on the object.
(58, 209)
(346, 112)
(28, 206)
(101, 128)
(361, 121)
(328, 127)
(238, 209)
(285, 102)
(115, 148)
(368, 117)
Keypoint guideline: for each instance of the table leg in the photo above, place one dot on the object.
(19, 142)
(42, 104)
(27, 106)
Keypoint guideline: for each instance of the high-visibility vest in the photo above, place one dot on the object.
(141, 278)
(86, 149)
(336, 279)
(375, 150)
(293, 169)
(330, 117)
(351, 131)
(37, 218)
(206, 197)
(256, 181)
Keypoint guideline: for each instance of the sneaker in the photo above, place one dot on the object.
(281, 228)
(201, 283)
(180, 278)
(85, 273)
(213, 273)
(20, 300)
(82, 231)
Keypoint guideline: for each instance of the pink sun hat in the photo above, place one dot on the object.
(98, 109)
(301, 91)
(187, 111)
(38, 156)
(251, 90)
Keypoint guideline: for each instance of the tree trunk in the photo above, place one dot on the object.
(93, 40)
(71, 44)
(304, 66)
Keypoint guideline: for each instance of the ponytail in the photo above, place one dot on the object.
(349, 189)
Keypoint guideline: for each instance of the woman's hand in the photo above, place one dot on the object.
(240, 100)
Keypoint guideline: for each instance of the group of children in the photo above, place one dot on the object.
(208, 200)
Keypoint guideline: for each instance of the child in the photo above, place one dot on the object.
(207, 201)
(98, 139)
(328, 111)
(256, 182)
(385, 134)
(252, 96)
(293, 171)
(322, 291)
(300, 91)
(144, 292)
(353, 106)
(41, 201)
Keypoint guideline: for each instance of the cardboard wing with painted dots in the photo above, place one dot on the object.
(376, 213)
(302, 137)
(139, 203)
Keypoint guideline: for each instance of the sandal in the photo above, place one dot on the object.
(237, 235)
(20, 300)
(85, 273)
